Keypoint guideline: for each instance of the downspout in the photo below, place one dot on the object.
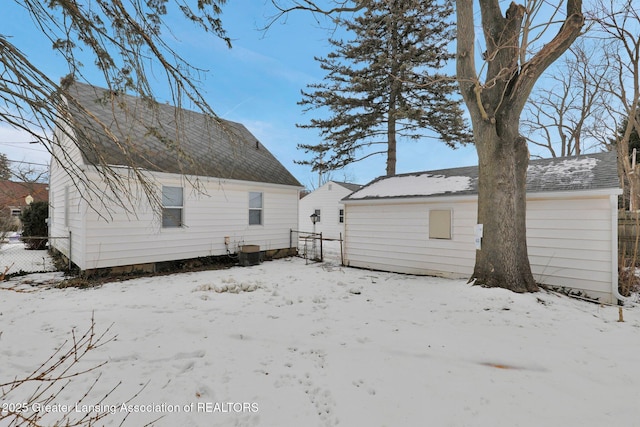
(613, 202)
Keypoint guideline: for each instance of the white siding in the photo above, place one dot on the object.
(395, 237)
(570, 244)
(220, 209)
(327, 199)
(66, 206)
(104, 234)
(569, 240)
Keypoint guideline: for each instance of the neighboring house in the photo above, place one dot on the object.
(425, 223)
(219, 187)
(326, 203)
(15, 196)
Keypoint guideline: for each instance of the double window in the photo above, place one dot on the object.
(255, 208)
(172, 206)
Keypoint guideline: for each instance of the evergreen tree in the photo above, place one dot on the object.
(385, 84)
(5, 170)
(34, 225)
(634, 139)
(634, 142)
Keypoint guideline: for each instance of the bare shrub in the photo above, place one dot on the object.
(628, 280)
(44, 385)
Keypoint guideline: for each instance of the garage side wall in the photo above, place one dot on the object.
(395, 237)
(570, 244)
(569, 241)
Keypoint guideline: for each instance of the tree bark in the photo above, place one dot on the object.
(502, 260)
(495, 108)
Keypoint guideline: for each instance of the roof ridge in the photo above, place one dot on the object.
(163, 140)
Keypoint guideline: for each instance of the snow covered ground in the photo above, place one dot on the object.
(14, 254)
(288, 343)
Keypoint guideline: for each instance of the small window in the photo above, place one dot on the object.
(341, 216)
(440, 224)
(172, 205)
(255, 208)
(15, 212)
(317, 214)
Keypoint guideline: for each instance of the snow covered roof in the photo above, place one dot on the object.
(585, 172)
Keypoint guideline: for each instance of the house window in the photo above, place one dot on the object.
(440, 224)
(172, 205)
(317, 214)
(15, 212)
(255, 208)
(341, 216)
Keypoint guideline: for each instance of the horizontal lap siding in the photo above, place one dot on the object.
(208, 218)
(328, 201)
(396, 238)
(73, 205)
(569, 243)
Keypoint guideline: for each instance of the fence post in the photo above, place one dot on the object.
(69, 257)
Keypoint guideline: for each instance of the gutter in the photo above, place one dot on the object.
(613, 200)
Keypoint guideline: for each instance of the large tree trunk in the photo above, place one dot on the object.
(503, 162)
(495, 107)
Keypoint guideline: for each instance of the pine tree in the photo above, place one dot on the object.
(385, 84)
(634, 138)
(5, 169)
(34, 225)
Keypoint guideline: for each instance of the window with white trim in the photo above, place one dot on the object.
(341, 216)
(255, 208)
(172, 206)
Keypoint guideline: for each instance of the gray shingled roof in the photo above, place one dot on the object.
(349, 185)
(206, 146)
(585, 172)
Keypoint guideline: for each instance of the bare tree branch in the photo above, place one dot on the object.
(127, 40)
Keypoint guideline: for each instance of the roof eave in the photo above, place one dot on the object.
(567, 194)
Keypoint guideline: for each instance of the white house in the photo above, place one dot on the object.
(325, 203)
(425, 223)
(219, 188)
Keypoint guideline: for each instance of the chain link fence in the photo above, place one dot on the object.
(309, 244)
(17, 257)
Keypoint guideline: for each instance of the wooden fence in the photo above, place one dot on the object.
(629, 236)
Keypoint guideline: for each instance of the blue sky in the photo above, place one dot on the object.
(257, 83)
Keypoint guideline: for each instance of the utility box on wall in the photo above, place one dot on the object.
(249, 255)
